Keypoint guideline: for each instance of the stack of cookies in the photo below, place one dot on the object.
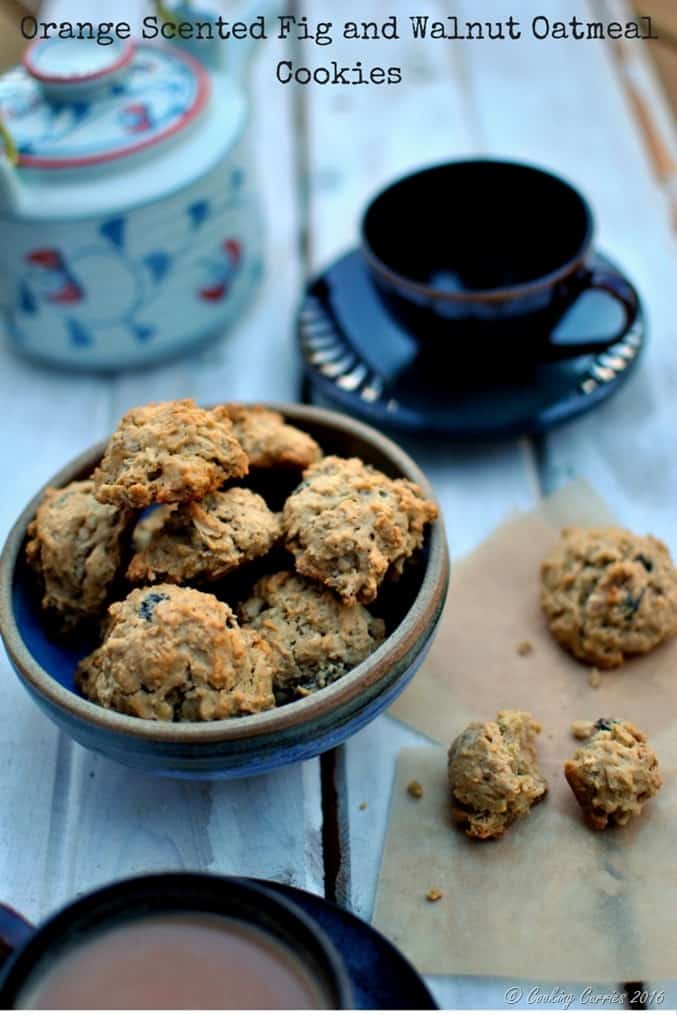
(144, 551)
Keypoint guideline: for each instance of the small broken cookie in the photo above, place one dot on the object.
(75, 548)
(167, 452)
(349, 525)
(176, 654)
(268, 440)
(313, 636)
(203, 540)
(613, 773)
(493, 776)
(608, 594)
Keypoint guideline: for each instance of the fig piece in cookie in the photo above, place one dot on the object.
(493, 776)
(177, 654)
(268, 440)
(314, 637)
(349, 525)
(203, 540)
(608, 594)
(613, 773)
(75, 547)
(166, 452)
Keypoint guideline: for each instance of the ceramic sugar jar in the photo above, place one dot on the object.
(130, 224)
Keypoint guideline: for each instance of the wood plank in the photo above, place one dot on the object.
(625, 449)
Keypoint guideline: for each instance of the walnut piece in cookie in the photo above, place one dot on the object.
(268, 441)
(203, 540)
(608, 594)
(313, 636)
(493, 776)
(176, 654)
(166, 452)
(75, 549)
(349, 525)
(613, 773)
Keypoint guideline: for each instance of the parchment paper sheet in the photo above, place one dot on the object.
(552, 899)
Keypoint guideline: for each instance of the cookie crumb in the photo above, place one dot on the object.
(415, 790)
(433, 895)
(364, 805)
(582, 729)
(595, 677)
(525, 648)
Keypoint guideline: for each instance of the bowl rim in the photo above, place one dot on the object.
(397, 646)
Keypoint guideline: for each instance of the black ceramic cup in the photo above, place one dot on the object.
(26, 952)
(489, 253)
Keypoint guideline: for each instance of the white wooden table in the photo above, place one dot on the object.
(70, 820)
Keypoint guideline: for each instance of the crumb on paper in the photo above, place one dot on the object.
(594, 677)
(415, 790)
(525, 648)
(364, 805)
(433, 895)
(582, 729)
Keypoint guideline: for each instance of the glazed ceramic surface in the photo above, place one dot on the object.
(488, 252)
(252, 744)
(131, 222)
(361, 358)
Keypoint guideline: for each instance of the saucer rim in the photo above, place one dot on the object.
(376, 413)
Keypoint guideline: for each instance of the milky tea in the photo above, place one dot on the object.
(174, 961)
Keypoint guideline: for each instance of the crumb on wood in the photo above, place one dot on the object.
(582, 729)
(525, 648)
(595, 677)
(433, 895)
(415, 789)
(364, 805)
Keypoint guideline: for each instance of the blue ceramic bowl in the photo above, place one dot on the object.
(245, 746)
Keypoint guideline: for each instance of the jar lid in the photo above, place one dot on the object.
(76, 103)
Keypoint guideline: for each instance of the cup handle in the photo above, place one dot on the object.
(14, 932)
(611, 282)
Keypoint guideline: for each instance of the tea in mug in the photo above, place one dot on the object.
(175, 960)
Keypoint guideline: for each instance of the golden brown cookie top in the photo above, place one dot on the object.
(166, 452)
(177, 654)
(268, 440)
(613, 773)
(609, 594)
(314, 637)
(348, 525)
(75, 548)
(493, 775)
(203, 540)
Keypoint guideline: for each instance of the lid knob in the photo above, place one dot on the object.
(70, 69)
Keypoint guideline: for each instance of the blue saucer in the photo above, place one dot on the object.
(358, 358)
(381, 976)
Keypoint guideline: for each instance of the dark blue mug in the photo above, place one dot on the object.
(489, 253)
(27, 954)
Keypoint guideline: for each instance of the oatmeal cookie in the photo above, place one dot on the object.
(268, 441)
(203, 540)
(609, 594)
(314, 637)
(166, 452)
(493, 776)
(613, 773)
(176, 654)
(75, 547)
(348, 525)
